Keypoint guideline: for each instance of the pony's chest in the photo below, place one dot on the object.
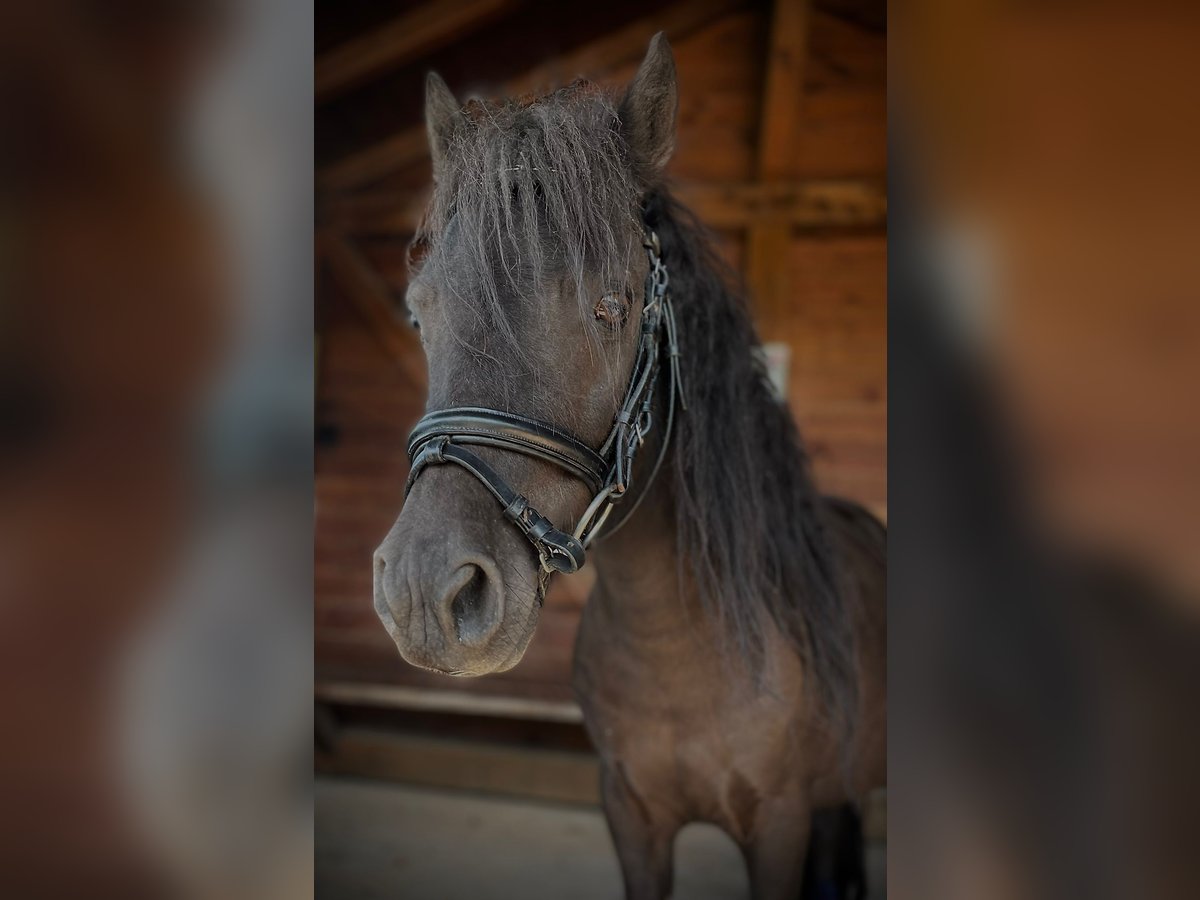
(704, 762)
(684, 734)
(696, 769)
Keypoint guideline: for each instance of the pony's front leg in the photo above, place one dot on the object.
(643, 841)
(776, 852)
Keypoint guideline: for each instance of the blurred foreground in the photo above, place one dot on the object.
(155, 398)
(155, 404)
(1044, 577)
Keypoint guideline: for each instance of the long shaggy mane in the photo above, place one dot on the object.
(750, 522)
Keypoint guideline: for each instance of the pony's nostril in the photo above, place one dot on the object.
(473, 608)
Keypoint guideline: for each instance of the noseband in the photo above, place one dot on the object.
(444, 436)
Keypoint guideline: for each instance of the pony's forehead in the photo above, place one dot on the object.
(584, 110)
(567, 142)
(538, 186)
(576, 93)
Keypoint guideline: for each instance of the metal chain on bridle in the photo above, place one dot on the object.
(444, 436)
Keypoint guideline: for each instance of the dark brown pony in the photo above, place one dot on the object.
(730, 661)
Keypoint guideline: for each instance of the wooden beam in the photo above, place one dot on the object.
(868, 14)
(366, 289)
(392, 154)
(783, 90)
(768, 244)
(557, 775)
(620, 47)
(417, 33)
(804, 203)
(394, 696)
(768, 251)
(376, 212)
(815, 204)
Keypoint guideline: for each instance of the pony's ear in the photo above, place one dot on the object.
(443, 116)
(648, 111)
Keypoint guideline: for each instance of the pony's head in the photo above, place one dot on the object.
(527, 287)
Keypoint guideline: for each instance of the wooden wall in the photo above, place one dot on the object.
(781, 149)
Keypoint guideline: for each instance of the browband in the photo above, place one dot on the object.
(476, 425)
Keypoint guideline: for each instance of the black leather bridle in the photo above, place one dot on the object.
(444, 436)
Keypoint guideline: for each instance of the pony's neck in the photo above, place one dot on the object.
(637, 565)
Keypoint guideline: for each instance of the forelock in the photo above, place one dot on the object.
(534, 187)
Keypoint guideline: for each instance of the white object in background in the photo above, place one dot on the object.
(778, 358)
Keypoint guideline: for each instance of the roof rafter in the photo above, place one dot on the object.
(767, 243)
(619, 47)
(414, 34)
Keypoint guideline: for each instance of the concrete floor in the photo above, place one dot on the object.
(381, 840)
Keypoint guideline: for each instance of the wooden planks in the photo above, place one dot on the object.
(817, 203)
(464, 702)
(767, 247)
(783, 92)
(783, 89)
(397, 152)
(428, 27)
(557, 775)
(837, 328)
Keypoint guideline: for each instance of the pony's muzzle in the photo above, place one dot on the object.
(456, 586)
(443, 610)
(470, 605)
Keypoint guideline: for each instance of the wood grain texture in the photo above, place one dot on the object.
(595, 60)
(388, 696)
(783, 89)
(364, 287)
(555, 775)
(431, 25)
(782, 96)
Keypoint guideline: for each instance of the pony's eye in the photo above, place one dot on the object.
(415, 253)
(612, 310)
(412, 320)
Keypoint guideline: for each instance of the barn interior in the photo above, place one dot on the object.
(782, 152)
